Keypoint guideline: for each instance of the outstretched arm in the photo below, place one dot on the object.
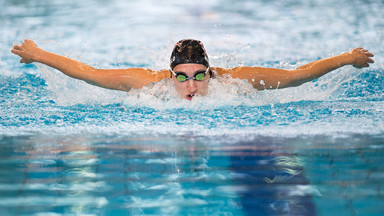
(265, 78)
(117, 79)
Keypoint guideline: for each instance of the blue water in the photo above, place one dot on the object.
(68, 148)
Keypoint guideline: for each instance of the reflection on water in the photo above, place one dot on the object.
(187, 175)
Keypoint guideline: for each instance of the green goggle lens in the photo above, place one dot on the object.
(181, 78)
(200, 76)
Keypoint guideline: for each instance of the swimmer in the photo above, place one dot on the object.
(190, 70)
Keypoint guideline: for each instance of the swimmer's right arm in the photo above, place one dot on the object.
(117, 79)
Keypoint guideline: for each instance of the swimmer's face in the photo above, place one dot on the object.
(190, 88)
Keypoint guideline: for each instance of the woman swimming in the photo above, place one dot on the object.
(190, 69)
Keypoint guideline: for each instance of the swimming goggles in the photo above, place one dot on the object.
(182, 77)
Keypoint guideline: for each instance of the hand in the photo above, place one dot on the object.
(27, 51)
(361, 57)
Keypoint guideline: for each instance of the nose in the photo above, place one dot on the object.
(191, 86)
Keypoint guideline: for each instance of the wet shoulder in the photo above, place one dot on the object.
(229, 71)
(222, 71)
(160, 74)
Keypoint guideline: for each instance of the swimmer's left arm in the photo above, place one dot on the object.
(272, 78)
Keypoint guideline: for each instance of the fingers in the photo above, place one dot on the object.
(15, 51)
(365, 51)
(369, 54)
(17, 47)
(369, 57)
(362, 57)
(29, 42)
(25, 51)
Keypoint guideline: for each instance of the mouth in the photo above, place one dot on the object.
(190, 96)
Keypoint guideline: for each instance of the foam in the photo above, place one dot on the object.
(232, 107)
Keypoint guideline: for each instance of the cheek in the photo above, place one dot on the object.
(179, 86)
(204, 87)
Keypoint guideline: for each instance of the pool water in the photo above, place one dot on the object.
(69, 148)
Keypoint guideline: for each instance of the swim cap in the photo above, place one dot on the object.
(189, 51)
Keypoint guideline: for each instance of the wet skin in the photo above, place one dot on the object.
(190, 88)
(126, 79)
